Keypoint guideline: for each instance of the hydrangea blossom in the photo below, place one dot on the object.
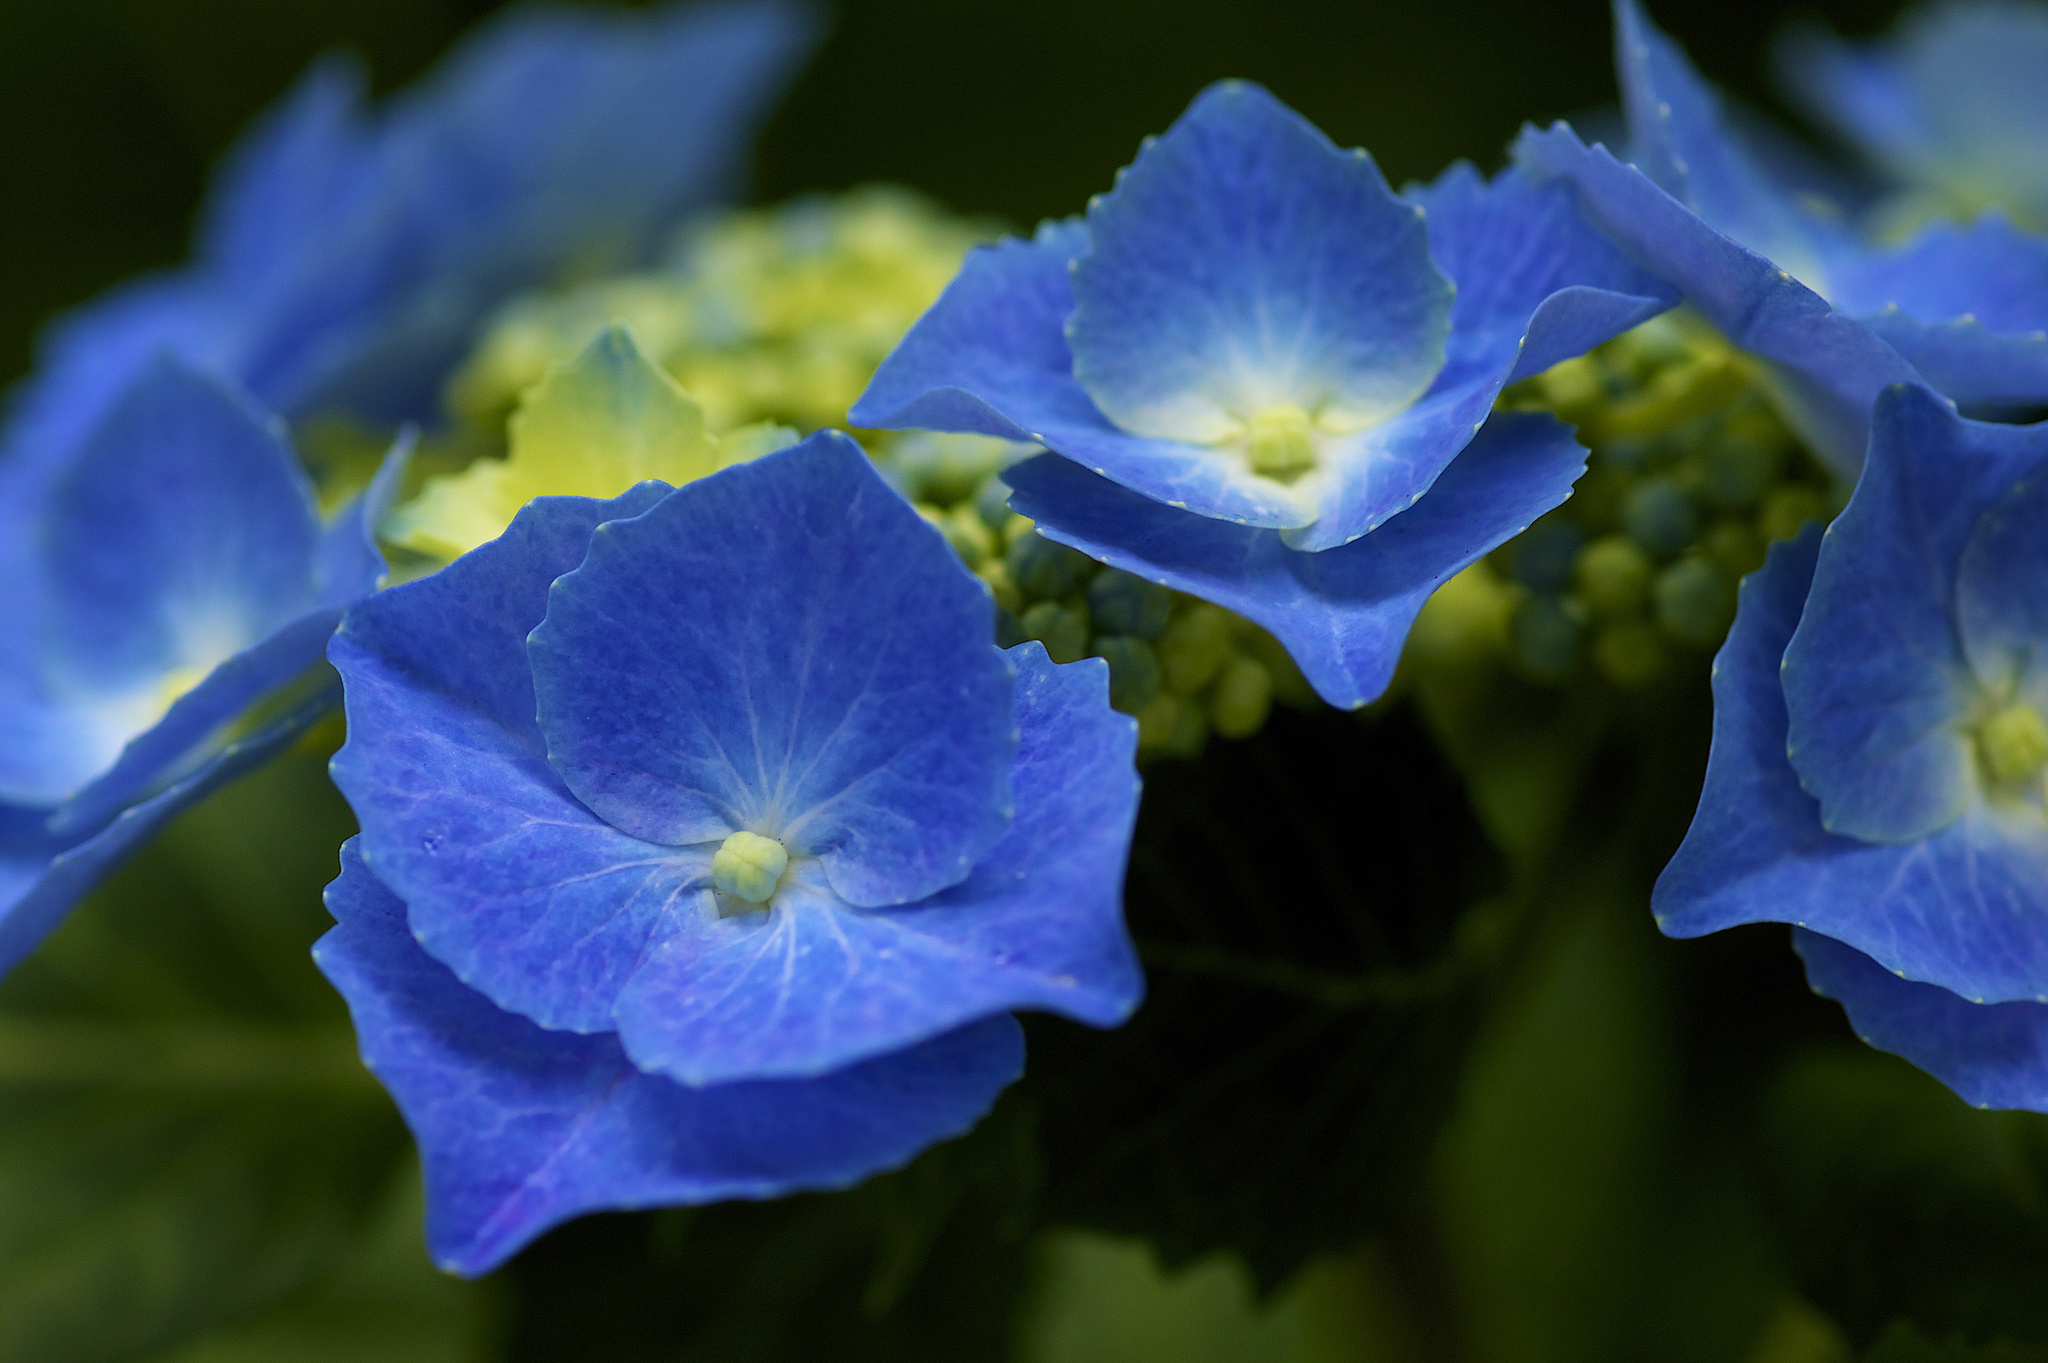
(1880, 744)
(172, 574)
(1255, 379)
(1791, 281)
(711, 867)
(1952, 105)
(344, 259)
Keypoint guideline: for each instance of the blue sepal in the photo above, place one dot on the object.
(521, 1128)
(1343, 614)
(1994, 1055)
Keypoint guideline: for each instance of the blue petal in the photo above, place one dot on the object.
(1989, 270)
(991, 357)
(785, 647)
(1680, 137)
(2001, 590)
(1536, 284)
(1835, 366)
(521, 1129)
(1859, 90)
(183, 531)
(182, 535)
(552, 138)
(521, 890)
(1876, 683)
(1241, 262)
(1964, 910)
(1990, 374)
(42, 877)
(1038, 925)
(1994, 1055)
(1342, 614)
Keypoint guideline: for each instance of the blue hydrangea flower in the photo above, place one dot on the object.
(344, 258)
(1880, 744)
(711, 867)
(1790, 280)
(1951, 105)
(171, 575)
(1256, 378)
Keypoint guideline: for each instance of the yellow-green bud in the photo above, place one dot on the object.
(748, 866)
(1788, 509)
(1063, 632)
(1194, 648)
(2013, 743)
(1627, 653)
(1280, 441)
(1613, 576)
(1242, 698)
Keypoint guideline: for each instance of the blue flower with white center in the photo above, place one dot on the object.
(345, 259)
(1879, 773)
(1255, 374)
(707, 842)
(1787, 278)
(1952, 105)
(173, 588)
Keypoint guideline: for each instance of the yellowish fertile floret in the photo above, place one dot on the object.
(592, 428)
(748, 866)
(2013, 743)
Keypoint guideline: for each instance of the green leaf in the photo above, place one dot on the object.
(193, 1164)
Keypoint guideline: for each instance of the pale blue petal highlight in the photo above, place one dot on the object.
(1877, 686)
(1037, 925)
(1966, 910)
(1994, 1055)
(521, 1128)
(1242, 262)
(1343, 614)
(2001, 590)
(785, 647)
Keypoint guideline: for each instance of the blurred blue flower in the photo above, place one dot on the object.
(1880, 761)
(1785, 276)
(1953, 105)
(1251, 358)
(713, 868)
(171, 575)
(344, 258)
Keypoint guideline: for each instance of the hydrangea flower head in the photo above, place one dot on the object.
(1879, 774)
(1789, 279)
(344, 258)
(172, 574)
(1252, 334)
(719, 810)
(1952, 105)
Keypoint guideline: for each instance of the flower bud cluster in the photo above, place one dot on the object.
(1184, 668)
(1692, 475)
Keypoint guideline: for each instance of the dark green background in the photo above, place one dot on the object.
(112, 111)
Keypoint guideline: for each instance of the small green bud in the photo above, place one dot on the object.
(1241, 699)
(1787, 510)
(1658, 515)
(1695, 601)
(1123, 603)
(1135, 677)
(991, 502)
(1543, 554)
(2013, 743)
(1194, 648)
(1627, 653)
(1063, 632)
(1042, 569)
(747, 866)
(1546, 637)
(1734, 473)
(974, 542)
(997, 576)
(1613, 576)
(1735, 547)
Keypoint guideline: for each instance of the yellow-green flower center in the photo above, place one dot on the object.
(2013, 743)
(748, 866)
(1280, 441)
